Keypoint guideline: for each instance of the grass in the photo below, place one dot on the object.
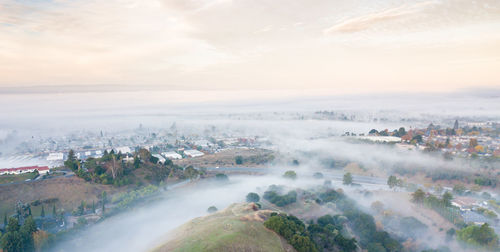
(11, 178)
(228, 230)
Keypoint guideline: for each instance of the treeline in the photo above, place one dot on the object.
(440, 205)
(19, 238)
(362, 224)
(117, 169)
(293, 230)
(327, 234)
(274, 197)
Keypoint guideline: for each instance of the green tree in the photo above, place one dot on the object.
(253, 197)
(212, 209)
(5, 220)
(93, 206)
(29, 210)
(42, 214)
(393, 181)
(483, 236)
(459, 189)
(238, 160)
(26, 231)
(347, 180)
(447, 197)
(54, 213)
(12, 240)
(290, 175)
(418, 196)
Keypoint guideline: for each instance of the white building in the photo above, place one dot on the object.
(171, 155)
(160, 158)
(193, 153)
(57, 156)
(123, 150)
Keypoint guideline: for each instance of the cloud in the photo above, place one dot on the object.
(365, 22)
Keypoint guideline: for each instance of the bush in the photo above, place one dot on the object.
(290, 175)
(280, 200)
(253, 197)
(238, 160)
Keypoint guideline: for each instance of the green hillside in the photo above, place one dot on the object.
(237, 228)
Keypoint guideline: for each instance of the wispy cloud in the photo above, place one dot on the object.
(364, 22)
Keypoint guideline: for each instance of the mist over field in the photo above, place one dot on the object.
(288, 123)
(236, 125)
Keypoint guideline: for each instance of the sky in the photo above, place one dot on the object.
(341, 46)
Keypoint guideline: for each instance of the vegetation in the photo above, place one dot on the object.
(253, 197)
(290, 175)
(482, 236)
(19, 238)
(361, 223)
(212, 209)
(112, 169)
(221, 177)
(238, 160)
(393, 181)
(125, 200)
(280, 200)
(327, 234)
(12, 178)
(293, 230)
(347, 180)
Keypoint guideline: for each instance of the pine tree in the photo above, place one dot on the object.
(29, 210)
(43, 212)
(93, 206)
(54, 210)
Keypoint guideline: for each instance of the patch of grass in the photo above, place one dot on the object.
(12, 178)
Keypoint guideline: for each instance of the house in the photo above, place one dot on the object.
(171, 155)
(161, 159)
(193, 153)
(57, 156)
(26, 169)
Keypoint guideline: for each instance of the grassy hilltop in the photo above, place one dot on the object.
(237, 228)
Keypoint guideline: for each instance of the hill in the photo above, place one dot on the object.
(236, 228)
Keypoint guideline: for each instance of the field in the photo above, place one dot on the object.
(237, 228)
(69, 192)
(226, 158)
(8, 178)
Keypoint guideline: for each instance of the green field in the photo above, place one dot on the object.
(8, 178)
(234, 229)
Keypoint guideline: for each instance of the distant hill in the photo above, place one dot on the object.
(236, 228)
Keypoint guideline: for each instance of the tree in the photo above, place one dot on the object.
(54, 213)
(318, 175)
(238, 160)
(290, 175)
(447, 197)
(483, 236)
(104, 199)
(93, 206)
(347, 180)
(393, 181)
(221, 177)
(212, 209)
(401, 132)
(418, 196)
(40, 239)
(253, 197)
(42, 214)
(459, 189)
(12, 240)
(27, 230)
(5, 220)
